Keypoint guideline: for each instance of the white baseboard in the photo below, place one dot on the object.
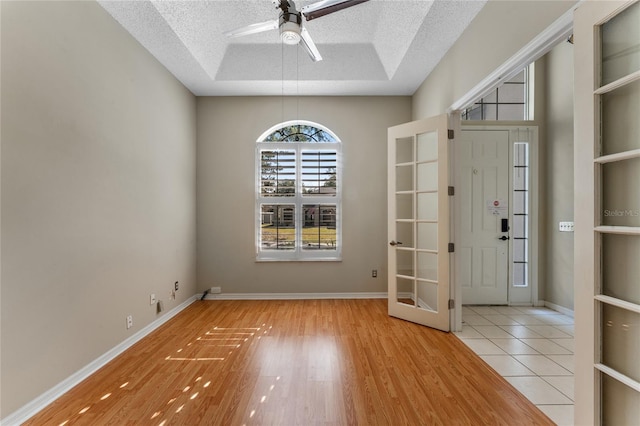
(293, 296)
(558, 308)
(35, 406)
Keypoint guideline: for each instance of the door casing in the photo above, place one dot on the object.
(516, 295)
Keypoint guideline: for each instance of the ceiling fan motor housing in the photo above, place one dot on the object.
(290, 27)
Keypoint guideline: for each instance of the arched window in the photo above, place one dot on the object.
(298, 180)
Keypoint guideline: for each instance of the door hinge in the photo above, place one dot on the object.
(450, 133)
(451, 190)
(451, 304)
(450, 248)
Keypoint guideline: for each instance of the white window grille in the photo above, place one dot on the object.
(298, 202)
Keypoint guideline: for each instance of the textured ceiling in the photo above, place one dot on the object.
(381, 47)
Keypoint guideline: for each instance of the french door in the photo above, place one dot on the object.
(418, 228)
(607, 212)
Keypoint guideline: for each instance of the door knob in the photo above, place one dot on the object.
(395, 243)
(503, 238)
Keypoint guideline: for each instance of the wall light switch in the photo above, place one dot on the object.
(566, 227)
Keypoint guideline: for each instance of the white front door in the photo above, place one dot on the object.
(418, 228)
(482, 216)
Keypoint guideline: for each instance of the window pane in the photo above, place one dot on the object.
(520, 274)
(621, 196)
(519, 250)
(474, 113)
(490, 111)
(510, 93)
(520, 202)
(620, 134)
(278, 173)
(319, 173)
(491, 97)
(319, 227)
(520, 77)
(510, 112)
(621, 45)
(277, 230)
(300, 133)
(520, 178)
(621, 340)
(520, 226)
(621, 267)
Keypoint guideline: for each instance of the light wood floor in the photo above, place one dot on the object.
(329, 362)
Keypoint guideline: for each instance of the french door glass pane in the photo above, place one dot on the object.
(404, 150)
(427, 176)
(621, 267)
(427, 295)
(427, 266)
(404, 178)
(404, 233)
(404, 262)
(404, 206)
(621, 193)
(621, 45)
(621, 340)
(404, 291)
(427, 236)
(620, 134)
(427, 146)
(427, 206)
(620, 403)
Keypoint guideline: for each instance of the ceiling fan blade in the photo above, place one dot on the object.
(253, 29)
(309, 45)
(325, 7)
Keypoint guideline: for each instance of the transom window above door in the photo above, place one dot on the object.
(511, 101)
(298, 193)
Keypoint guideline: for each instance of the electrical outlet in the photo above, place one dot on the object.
(152, 299)
(129, 321)
(216, 290)
(374, 273)
(176, 285)
(566, 227)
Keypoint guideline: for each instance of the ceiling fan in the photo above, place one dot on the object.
(291, 22)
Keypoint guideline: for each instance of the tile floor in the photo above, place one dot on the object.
(531, 347)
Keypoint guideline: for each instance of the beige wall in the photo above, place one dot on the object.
(499, 30)
(98, 191)
(227, 131)
(557, 176)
